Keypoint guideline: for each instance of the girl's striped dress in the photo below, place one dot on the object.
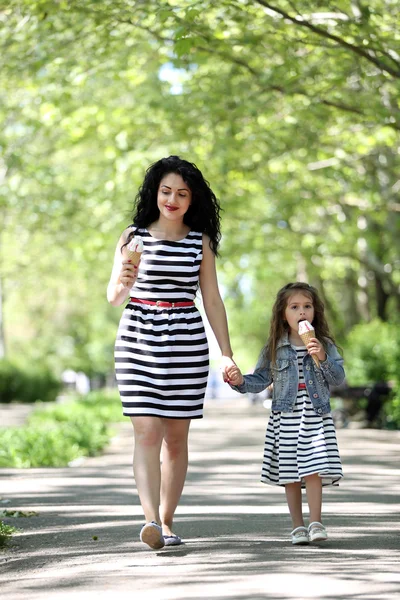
(161, 354)
(300, 443)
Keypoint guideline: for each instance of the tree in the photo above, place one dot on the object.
(290, 110)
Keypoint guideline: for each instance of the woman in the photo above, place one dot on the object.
(161, 351)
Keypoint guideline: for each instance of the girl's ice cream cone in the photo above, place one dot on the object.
(306, 332)
(134, 249)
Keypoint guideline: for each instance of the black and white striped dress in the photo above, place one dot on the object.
(300, 443)
(161, 354)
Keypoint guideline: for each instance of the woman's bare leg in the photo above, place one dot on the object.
(173, 468)
(146, 464)
(293, 498)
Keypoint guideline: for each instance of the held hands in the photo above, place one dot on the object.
(228, 366)
(233, 375)
(315, 347)
(128, 274)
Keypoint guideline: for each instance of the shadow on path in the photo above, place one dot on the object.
(236, 530)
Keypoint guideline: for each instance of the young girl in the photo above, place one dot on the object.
(300, 443)
(161, 352)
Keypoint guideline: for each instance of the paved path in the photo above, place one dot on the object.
(15, 414)
(235, 528)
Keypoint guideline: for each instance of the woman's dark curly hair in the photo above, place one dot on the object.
(203, 214)
(279, 325)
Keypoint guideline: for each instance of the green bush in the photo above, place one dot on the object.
(372, 354)
(58, 434)
(26, 447)
(103, 404)
(392, 410)
(18, 384)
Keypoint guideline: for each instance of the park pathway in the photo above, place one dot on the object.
(84, 543)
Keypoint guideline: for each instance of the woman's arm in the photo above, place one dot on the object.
(123, 275)
(213, 304)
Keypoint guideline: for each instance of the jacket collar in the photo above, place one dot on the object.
(284, 341)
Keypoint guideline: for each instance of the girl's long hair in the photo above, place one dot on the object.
(279, 326)
(203, 214)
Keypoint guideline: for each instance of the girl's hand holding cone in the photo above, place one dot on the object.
(315, 348)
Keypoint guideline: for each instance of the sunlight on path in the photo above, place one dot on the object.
(236, 530)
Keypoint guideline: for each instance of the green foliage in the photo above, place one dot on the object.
(103, 405)
(372, 353)
(27, 384)
(5, 533)
(290, 111)
(57, 435)
(392, 409)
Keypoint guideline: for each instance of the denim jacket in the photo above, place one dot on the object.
(285, 377)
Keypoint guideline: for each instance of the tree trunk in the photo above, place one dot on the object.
(350, 313)
(2, 338)
(381, 298)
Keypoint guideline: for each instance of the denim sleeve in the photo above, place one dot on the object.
(258, 381)
(332, 366)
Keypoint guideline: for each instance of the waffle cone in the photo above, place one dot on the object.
(306, 337)
(133, 256)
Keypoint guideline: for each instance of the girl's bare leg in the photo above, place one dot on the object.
(146, 464)
(314, 496)
(173, 468)
(293, 498)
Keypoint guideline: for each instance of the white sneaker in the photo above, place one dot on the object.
(300, 536)
(317, 532)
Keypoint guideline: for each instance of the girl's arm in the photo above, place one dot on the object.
(256, 382)
(117, 290)
(213, 305)
(332, 366)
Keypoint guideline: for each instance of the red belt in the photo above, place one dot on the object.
(302, 386)
(162, 303)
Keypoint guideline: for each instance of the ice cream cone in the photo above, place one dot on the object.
(306, 332)
(134, 250)
(134, 257)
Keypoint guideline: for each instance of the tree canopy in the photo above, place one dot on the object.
(290, 109)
